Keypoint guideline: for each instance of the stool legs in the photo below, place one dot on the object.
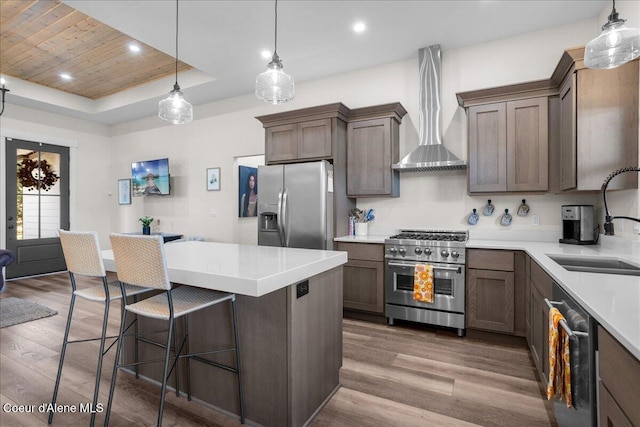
(100, 357)
(62, 353)
(165, 371)
(115, 366)
(135, 328)
(187, 351)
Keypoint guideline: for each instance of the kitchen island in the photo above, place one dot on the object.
(289, 323)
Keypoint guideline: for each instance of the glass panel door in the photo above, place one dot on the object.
(37, 206)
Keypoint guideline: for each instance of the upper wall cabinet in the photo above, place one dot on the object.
(566, 133)
(597, 123)
(508, 141)
(372, 147)
(303, 135)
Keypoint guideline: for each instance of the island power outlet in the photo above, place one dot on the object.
(302, 289)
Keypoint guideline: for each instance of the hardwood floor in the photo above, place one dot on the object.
(401, 375)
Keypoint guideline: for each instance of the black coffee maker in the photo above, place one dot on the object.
(578, 226)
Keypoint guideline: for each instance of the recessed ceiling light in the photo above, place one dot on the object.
(266, 54)
(134, 48)
(65, 76)
(359, 27)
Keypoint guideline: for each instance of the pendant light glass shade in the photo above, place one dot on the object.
(174, 108)
(274, 85)
(615, 46)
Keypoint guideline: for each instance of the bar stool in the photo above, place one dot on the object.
(82, 254)
(141, 261)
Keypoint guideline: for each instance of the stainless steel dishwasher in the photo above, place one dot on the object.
(581, 328)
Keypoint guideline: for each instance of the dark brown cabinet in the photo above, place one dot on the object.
(363, 280)
(598, 123)
(307, 134)
(490, 304)
(619, 385)
(372, 148)
(508, 146)
(496, 291)
(541, 287)
(299, 141)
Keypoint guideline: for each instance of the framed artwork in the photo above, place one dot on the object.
(213, 179)
(124, 191)
(247, 191)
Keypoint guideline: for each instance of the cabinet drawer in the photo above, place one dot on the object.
(486, 259)
(363, 251)
(620, 374)
(541, 280)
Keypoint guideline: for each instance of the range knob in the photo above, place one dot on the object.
(455, 254)
(444, 253)
(427, 251)
(402, 251)
(418, 251)
(393, 251)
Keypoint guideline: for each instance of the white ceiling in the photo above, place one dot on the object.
(224, 39)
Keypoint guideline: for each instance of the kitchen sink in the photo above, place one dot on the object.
(596, 265)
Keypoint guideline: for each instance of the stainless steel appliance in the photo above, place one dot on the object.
(295, 205)
(445, 251)
(430, 154)
(582, 344)
(578, 226)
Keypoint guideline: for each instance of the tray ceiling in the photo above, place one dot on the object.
(42, 39)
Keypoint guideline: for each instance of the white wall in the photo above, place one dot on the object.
(227, 129)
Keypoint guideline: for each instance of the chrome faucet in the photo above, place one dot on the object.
(608, 225)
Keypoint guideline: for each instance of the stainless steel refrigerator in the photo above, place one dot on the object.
(295, 205)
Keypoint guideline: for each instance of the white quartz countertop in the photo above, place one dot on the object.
(613, 300)
(361, 239)
(241, 269)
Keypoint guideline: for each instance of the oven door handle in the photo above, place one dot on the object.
(397, 264)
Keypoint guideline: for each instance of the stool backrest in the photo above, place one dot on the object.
(82, 252)
(140, 260)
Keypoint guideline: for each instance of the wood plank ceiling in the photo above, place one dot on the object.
(39, 40)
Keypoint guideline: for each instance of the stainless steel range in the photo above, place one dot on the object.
(445, 251)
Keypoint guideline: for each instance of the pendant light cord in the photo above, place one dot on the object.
(176, 84)
(275, 48)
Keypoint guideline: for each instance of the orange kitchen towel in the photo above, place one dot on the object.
(423, 283)
(559, 360)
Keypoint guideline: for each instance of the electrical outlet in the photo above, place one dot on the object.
(535, 219)
(213, 212)
(302, 289)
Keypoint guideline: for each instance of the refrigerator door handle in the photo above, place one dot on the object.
(285, 196)
(280, 219)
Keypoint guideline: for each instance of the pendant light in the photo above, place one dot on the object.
(615, 46)
(274, 85)
(174, 108)
(3, 90)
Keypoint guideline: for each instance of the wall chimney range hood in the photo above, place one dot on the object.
(430, 154)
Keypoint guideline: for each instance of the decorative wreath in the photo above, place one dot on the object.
(31, 174)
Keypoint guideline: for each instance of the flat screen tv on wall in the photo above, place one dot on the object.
(150, 178)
